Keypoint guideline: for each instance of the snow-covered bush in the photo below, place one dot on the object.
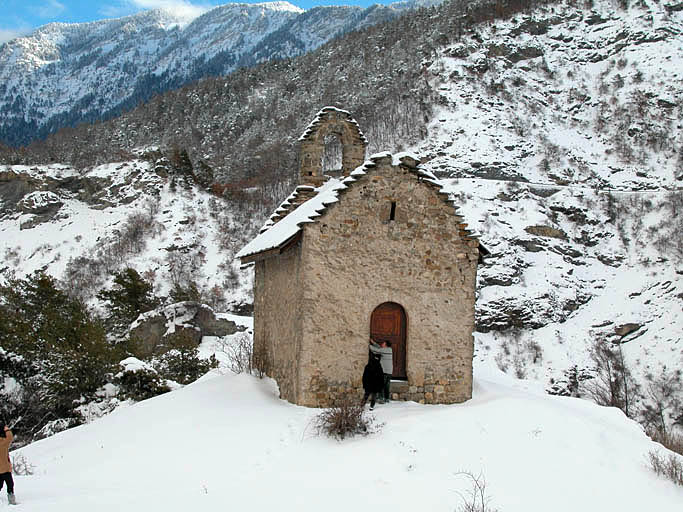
(182, 363)
(139, 381)
(21, 465)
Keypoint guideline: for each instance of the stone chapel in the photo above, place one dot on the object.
(379, 251)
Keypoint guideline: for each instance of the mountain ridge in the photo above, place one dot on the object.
(64, 74)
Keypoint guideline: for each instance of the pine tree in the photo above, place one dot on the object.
(130, 296)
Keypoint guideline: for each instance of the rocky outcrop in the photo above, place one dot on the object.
(39, 195)
(152, 331)
(626, 329)
(40, 206)
(546, 232)
(40, 203)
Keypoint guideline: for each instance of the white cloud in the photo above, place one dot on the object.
(50, 9)
(181, 8)
(9, 34)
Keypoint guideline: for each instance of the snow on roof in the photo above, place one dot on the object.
(318, 117)
(276, 234)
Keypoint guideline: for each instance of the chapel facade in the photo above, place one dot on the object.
(380, 252)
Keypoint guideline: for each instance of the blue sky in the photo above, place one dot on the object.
(18, 17)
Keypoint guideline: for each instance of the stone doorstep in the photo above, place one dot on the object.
(399, 386)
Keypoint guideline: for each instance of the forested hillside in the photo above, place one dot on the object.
(245, 125)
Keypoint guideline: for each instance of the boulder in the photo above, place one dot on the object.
(626, 329)
(40, 203)
(153, 329)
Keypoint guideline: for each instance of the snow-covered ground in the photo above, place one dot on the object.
(227, 442)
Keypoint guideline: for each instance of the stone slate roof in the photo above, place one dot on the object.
(307, 203)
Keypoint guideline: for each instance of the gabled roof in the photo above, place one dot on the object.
(278, 232)
(322, 116)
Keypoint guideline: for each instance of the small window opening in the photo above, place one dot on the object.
(310, 173)
(392, 214)
(332, 154)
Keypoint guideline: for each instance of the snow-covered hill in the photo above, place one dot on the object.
(228, 442)
(63, 74)
(559, 135)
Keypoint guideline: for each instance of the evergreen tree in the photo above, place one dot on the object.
(181, 362)
(190, 292)
(54, 347)
(130, 296)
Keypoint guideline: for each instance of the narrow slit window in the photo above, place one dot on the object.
(392, 213)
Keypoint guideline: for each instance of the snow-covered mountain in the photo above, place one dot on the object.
(63, 74)
(560, 134)
(81, 226)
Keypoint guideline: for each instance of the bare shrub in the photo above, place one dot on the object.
(21, 465)
(184, 264)
(239, 352)
(664, 403)
(242, 358)
(477, 498)
(670, 440)
(13, 255)
(670, 467)
(260, 362)
(613, 385)
(346, 419)
(535, 350)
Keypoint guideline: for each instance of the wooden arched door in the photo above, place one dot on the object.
(388, 322)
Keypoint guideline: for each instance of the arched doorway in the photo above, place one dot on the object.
(388, 322)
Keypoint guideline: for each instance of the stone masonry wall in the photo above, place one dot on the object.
(354, 258)
(330, 121)
(277, 319)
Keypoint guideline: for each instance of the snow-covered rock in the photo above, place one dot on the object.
(193, 319)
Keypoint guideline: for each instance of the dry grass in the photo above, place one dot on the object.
(670, 466)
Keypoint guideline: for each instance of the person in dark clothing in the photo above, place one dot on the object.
(373, 380)
(6, 439)
(383, 349)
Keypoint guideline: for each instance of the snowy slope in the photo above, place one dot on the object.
(559, 134)
(184, 233)
(228, 442)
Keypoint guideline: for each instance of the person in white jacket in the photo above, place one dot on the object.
(383, 349)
